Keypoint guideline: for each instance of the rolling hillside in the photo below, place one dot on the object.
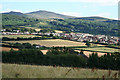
(9, 20)
(92, 25)
(42, 14)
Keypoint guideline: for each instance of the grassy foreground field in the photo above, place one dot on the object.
(28, 71)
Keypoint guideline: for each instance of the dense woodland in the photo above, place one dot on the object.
(87, 26)
(107, 27)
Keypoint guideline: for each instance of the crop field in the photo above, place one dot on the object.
(7, 49)
(52, 42)
(101, 49)
(44, 51)
(21, 36)
(33, 71)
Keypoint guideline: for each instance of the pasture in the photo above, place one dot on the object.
(21, 36)
(101, 49)
(52, 42)
(55, 43)
(34, 71)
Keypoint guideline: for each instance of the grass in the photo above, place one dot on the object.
(37, 29)
(21, 36)
(101, 49)
(33, 71)
(52, 42)
(55, 42)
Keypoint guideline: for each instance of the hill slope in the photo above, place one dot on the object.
(83, 26)
(15, 13)
(15, 20)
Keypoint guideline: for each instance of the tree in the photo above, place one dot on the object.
(51, 35)
(88, 44)
(93, 60)
(81, 52)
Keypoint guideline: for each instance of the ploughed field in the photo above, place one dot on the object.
(34, 71)
(7, 49)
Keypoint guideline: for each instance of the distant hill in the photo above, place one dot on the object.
(97, 18)
(15, 13)
(42, 14)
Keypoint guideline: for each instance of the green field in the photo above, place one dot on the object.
(37, 29)
(52, 42)
(21, 36)
(100, 49)
(28, 71)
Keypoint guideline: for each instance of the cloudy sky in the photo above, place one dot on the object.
(79, 8)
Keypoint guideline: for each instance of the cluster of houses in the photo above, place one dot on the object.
(89, 37)
(71, 36)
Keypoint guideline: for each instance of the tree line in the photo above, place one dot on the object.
(62, 57)
(29, 38)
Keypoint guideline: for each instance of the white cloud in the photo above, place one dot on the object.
(72, 14)
(0, 6)
(106, 15)
(103, 14)
(8, 10)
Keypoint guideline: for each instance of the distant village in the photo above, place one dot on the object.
(70, 36)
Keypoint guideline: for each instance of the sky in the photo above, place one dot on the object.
(78, 8)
